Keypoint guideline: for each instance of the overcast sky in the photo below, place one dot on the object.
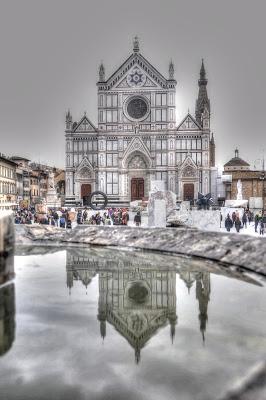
(51, 49)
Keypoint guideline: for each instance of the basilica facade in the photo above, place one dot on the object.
(137, 138)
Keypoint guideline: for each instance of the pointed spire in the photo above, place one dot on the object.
(202, 70)
(236, 153)
(68, 116)
(103, 329)
(137, 355)
(136, 44)
(101, 73)
(171, 70)
(202, 101)
(68, 120)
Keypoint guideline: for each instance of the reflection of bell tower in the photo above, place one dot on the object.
(203, 289)
(172, 321)
(69, 280)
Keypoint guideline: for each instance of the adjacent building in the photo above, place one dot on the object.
(137, 139)
(253, 182)
(8, 183)
(24, 183)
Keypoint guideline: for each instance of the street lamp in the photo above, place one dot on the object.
(262, 177)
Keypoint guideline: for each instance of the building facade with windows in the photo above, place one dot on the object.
(8, 183)
(137, 139)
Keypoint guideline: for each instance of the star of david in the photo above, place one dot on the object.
(136, 77)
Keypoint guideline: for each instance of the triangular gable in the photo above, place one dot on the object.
(137, 60)
(189, 124)
(136, 77)
(149, 324)
(189, 161)
(85, 163)
(85, 125)
(137, 145)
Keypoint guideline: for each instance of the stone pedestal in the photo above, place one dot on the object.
(161, 205)
(236, 203)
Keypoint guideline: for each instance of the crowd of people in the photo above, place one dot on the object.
(112, 216)
(64, 218)
(61, 218)
(235, 220)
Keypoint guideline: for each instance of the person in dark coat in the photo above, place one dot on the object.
(137, 219)
(244, 220)
(228, 223)
(261, 224)
(234, 217)
(238, 224)
(69, 224)
(257, 219)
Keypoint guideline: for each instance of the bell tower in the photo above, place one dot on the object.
(203, 110)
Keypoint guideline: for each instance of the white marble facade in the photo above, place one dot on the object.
(137, 139)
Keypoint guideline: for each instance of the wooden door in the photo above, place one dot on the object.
(85, 193)
(137, 188)
(188, 192)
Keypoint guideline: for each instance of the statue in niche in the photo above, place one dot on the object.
(189, 171)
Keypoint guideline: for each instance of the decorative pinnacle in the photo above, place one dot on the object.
(68, 116)
(202, 70)
(171, 70)
(101, 72)
(136, 44)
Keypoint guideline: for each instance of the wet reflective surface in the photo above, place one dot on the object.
(107, 324)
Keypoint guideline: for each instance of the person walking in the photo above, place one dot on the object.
(85, 215)
(238, 224)
(234, 217)
(62, 222)
(261, 224)
(244, 220)
(228, 223)
(69, 224)
(257, 219)
(137, 219)
(56, 218)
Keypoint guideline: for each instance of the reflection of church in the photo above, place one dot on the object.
(137, 138)
(137, 298)
(137, 302)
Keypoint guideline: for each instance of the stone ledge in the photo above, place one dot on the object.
(239, 250)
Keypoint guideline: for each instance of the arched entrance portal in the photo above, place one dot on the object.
(137, 168)
(85, 193)
(188, 192)
(137, 188)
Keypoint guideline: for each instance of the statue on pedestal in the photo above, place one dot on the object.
(51, 185)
